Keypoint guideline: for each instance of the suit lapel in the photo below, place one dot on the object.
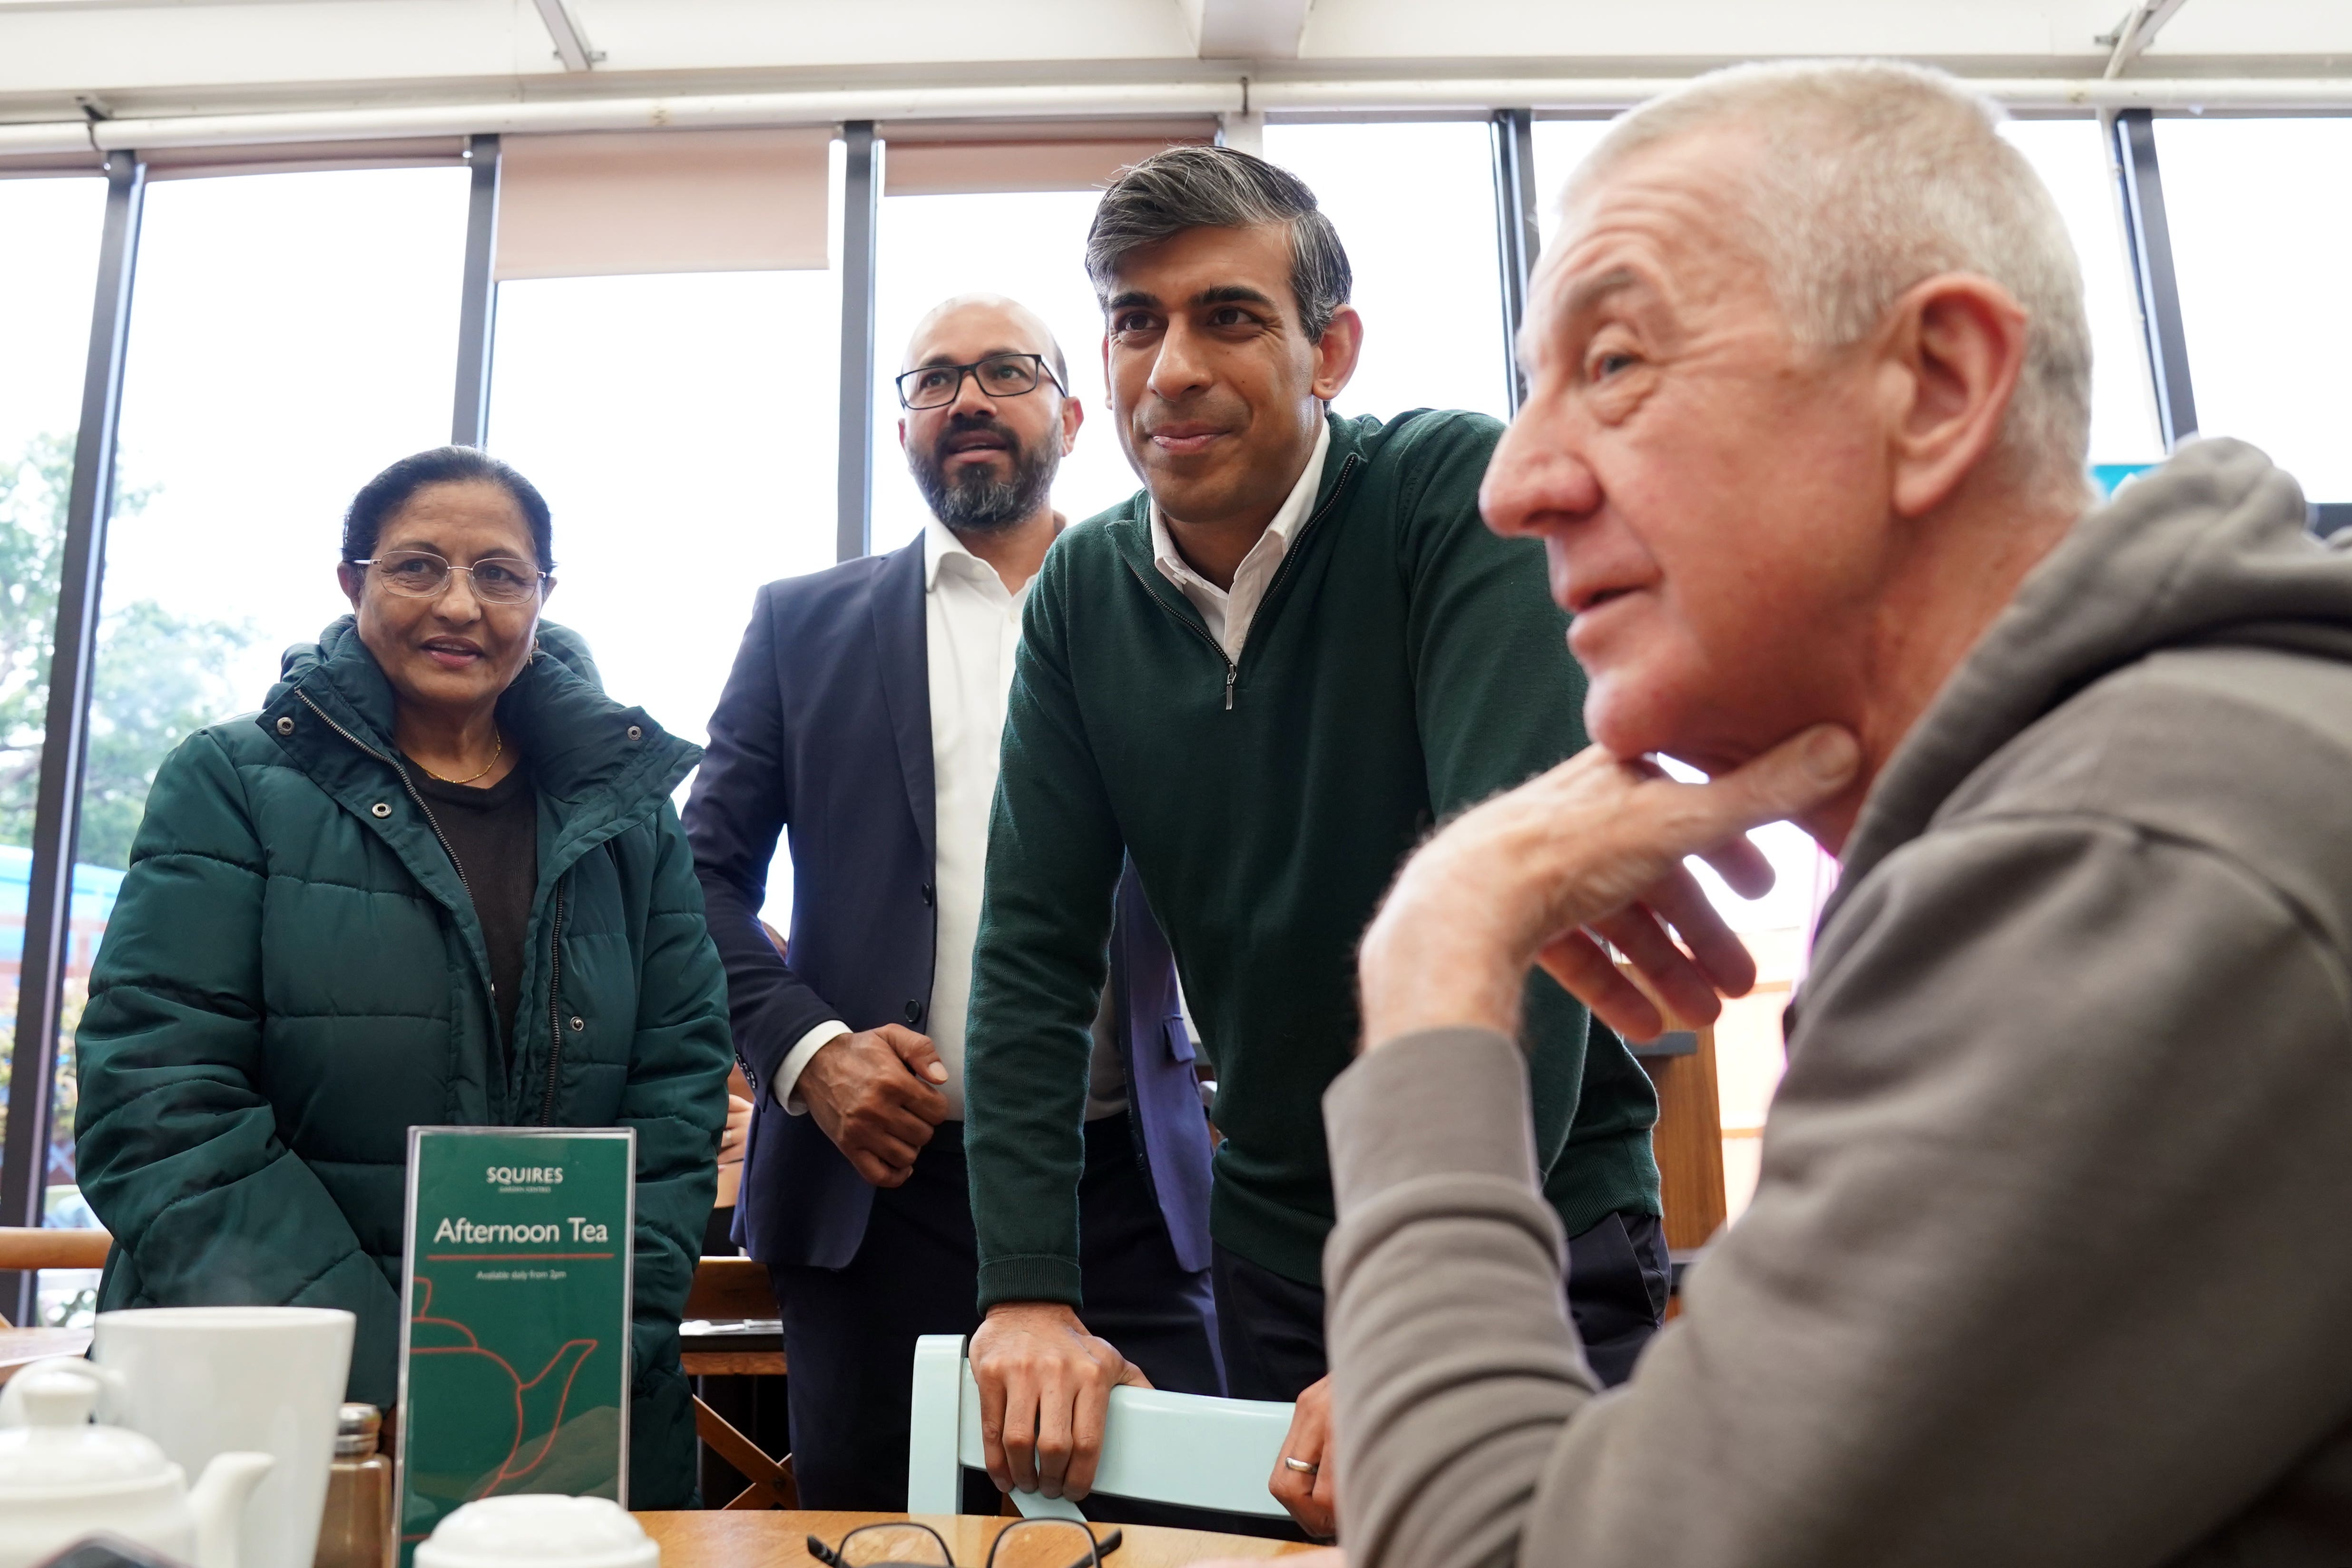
(902, 654)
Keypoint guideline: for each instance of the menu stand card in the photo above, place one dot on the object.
(514, 1358)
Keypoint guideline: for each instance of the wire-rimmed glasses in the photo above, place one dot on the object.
(999, 375)
(1024, 1543)
(421, 574)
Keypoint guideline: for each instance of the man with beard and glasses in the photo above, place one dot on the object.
(863, 717)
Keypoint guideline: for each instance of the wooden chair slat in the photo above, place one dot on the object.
(25, 1246)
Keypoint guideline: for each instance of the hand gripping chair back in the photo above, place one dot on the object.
(1185, 1449)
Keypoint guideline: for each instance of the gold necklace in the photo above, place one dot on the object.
(470, 778)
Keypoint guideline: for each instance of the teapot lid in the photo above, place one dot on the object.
(57, 1451)
(536, 1528)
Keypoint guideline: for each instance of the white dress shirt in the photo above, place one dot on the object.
(1228, 612)
(971, 626)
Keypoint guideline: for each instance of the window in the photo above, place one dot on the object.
(1028, 245)
(682, 428)
(2071, 161)
(1414, 205)
(49, 273)
(1561, 146)
(291, 335)
(2260, 215)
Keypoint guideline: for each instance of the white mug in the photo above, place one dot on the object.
(202, 1381)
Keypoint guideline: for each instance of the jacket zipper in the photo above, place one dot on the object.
(430, 820)
(1233, 667)
(554, 1009)
(547, 1105)
(1234, 671)
(1338, 488)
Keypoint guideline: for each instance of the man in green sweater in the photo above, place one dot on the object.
(1263, 679)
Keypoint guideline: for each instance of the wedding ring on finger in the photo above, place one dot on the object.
(1301, 1466)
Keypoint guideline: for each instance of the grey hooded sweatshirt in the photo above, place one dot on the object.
(2049, 1260)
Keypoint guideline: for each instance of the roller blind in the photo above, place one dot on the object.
(604, 202)
(912, 168)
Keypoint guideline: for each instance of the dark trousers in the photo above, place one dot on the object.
(1272, 1326)
(849, 1333)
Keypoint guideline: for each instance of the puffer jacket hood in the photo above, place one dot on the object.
(587, 751)
(2212, 549)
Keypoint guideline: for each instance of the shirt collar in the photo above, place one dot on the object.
(1287, 517)
(940, 543)
(941, 546)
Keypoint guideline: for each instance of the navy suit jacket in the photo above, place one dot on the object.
(825, 728)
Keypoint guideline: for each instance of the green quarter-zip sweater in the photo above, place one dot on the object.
(1404, 663)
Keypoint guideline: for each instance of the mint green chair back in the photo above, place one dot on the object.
(1187, 1449)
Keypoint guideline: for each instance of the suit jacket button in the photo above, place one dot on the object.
(928, 894)
(914, 1012)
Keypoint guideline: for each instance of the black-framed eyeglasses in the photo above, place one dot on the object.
(1000, 375)
(1024, 1543)
(420, 575)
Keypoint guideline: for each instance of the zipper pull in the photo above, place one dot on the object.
(1233, 671)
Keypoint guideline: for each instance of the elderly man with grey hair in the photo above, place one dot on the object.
(2045, 1264)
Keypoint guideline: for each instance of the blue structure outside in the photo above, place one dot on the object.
(2107, 476)
(94, 892)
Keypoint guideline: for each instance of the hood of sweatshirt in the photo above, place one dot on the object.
(2213, 549)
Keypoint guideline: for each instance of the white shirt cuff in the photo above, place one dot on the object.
(789, 1075)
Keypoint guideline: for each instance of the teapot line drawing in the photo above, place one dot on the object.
(540, 1400)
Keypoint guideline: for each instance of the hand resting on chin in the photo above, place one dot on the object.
(1588, 853)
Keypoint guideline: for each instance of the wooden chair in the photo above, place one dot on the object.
(1688, 1140)
(33, 1248)
(1689, 1136)
(737, 1288)
(24, 1247)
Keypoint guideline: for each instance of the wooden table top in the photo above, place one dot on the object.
(774, 1539)
(20, 1347)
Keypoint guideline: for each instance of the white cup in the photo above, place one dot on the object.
(202, 1381)
(529, 1530)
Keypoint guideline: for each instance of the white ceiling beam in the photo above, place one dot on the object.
(570, 44)
(151, 57)
(2137, 30)
(1245, 29)
(1211, 96)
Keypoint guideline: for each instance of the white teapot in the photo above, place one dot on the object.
(62, 1478)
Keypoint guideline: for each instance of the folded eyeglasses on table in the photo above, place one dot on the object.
(1024, 1543)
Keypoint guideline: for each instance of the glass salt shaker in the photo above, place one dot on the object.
(356, 1528)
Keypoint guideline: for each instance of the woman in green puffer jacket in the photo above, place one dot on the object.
(438, 881)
